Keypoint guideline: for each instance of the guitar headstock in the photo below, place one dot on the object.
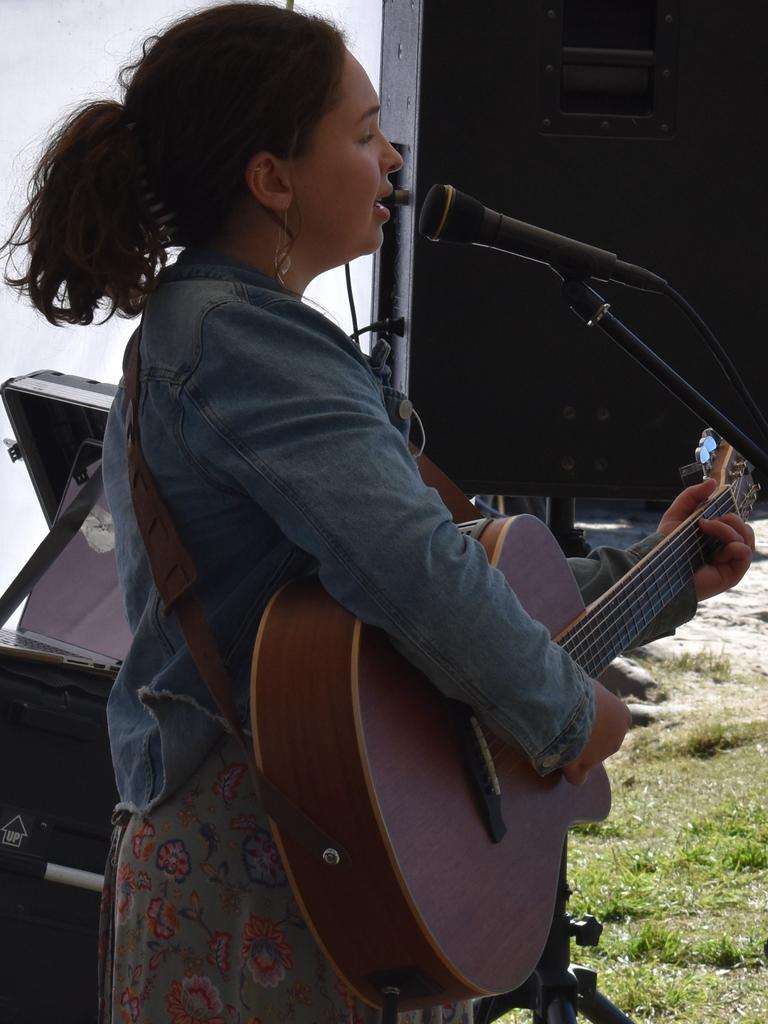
(721, 462)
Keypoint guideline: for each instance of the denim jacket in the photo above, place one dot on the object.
(281, 451)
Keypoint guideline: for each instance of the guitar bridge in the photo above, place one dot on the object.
(481, 771)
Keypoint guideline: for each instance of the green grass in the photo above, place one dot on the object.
(714, 737)
(716, 666)
(678, 875)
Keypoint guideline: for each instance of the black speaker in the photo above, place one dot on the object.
(633, 125)
(57, 792)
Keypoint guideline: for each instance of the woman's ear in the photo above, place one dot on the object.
(268, 181)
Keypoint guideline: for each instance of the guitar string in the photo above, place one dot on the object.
(582, 633)
(617, 622)
(504, 755)
(672, 553)
(668, 571)
(670, 556)
(677, 552)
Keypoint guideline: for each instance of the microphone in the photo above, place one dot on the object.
(400, 197)
(452, 216)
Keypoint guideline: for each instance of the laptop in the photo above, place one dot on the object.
(74, 613)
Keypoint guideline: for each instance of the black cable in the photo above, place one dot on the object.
(371, 327)
(721, 357)
(388, 326)
(399, 197)
(355, 332)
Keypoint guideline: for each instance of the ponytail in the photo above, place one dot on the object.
(212, 90)
(88, 226)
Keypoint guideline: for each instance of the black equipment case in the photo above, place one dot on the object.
(51, 414)
(56, 782)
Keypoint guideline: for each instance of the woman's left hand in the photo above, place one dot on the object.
(736, 539)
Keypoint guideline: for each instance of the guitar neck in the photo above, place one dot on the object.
(609, 626)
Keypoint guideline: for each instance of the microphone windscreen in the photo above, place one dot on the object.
(448, 215)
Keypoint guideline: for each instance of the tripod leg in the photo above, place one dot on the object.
(389, 1010)
(561, 1011)
(602, 1011)
(593, 1004)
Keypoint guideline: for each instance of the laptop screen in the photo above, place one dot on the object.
(77, 600)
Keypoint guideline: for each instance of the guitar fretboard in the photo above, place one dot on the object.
(611, 624)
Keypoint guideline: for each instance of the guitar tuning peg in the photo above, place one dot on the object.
(704, 458)
(708, 443)
(737, 468)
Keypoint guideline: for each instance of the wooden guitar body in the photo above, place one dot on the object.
(367, 746)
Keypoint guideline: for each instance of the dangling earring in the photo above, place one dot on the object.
(282, 252)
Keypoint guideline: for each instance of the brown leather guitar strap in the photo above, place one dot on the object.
(175, 575)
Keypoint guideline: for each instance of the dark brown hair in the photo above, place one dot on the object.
(212, 90)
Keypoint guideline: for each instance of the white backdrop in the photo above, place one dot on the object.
(55, 54)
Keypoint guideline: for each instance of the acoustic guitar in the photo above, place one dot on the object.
(451, 841)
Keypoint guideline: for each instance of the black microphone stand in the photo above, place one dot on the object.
(595, 312)
(592, 308)
(561, 520)
(557, 989)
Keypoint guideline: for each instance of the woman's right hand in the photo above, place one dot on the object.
(612, 720)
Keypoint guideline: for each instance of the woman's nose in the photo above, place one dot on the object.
(395, 161)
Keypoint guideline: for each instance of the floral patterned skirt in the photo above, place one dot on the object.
(199, 925)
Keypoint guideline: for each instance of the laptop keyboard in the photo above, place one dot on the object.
(10, 639)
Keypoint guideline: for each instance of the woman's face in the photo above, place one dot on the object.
(337, 182)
